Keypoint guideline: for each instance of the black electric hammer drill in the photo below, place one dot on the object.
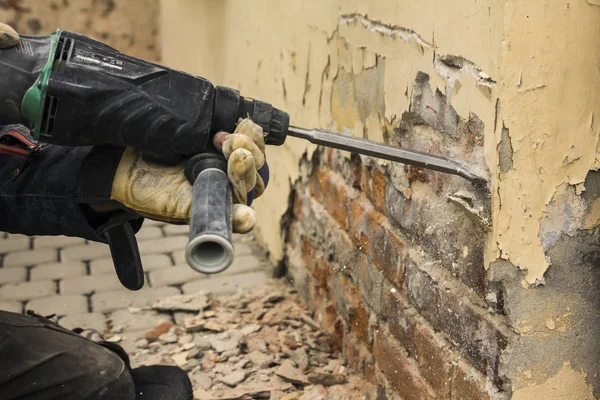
(72, 90)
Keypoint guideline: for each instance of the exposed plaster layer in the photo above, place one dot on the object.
(555, 323)
(550, 92)
(566, 384)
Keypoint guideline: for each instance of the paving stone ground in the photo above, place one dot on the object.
(237, 334)
(75, 279)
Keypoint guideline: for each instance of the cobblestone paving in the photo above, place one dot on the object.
(75, 279)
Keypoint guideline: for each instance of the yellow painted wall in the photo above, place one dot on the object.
(530, 71)
(130, 26)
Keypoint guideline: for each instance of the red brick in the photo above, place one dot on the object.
(435, 360)
(400, 319)
(355, 354)
(332, 324)
(370, 370)
(365, 181)
(357, 313)
(358, 174)
(371, 231)
(386, 253)
(297, 206)
(362, 222)
(478, 338)
(332, 193)
(468, 384)
(377, 193)
(308, 253)
(322, 271)
(401, 372)
(318, 293)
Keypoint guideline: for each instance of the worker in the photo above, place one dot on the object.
(80, 191)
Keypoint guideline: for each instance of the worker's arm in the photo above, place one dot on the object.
(47, 199)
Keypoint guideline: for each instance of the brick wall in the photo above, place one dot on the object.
(391, 259)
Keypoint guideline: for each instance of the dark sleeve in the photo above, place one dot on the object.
(48, 199)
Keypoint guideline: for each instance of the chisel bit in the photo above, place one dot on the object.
(386, 152)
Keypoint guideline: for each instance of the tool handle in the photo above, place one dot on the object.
(210, 249)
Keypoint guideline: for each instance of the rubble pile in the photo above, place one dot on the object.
(259, 344)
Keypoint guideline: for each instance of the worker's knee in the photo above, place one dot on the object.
(46, 361)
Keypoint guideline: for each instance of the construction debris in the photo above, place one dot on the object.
(260, 344)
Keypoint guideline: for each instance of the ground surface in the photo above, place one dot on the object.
(238, 334)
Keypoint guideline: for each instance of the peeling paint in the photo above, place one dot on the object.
(392, 31)
(554, 139)
(567, 384)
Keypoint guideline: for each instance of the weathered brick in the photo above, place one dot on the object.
(57, 270)
(8, 275)
(96, 321)
(27, 290)
(443, 230)
(226, 284)
(150, 262)
(56, 242)
(14, 244)
(298, 275)
(176, 275)
(149, 232)
(89, 284)
(351, 307)
(386, 253)
(468, 383)
(140, 320)
(334, 195)
(59, 305)
(401, 319)
(354, 354)
(436, 362)
(163, 245)
(11, 306)
(374, 236)
(332, 324)
(378, 189)
(476, 337)
(30, 257)
(85, 252)
(401, 372)
(360, 208)
(297, 206)
(369, 280)
(110, 301)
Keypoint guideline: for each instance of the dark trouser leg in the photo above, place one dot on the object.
(160, 382)
(39, 361)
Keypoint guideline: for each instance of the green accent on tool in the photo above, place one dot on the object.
(32, 106)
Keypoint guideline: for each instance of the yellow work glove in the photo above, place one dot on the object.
(8, 36)
(163, 193)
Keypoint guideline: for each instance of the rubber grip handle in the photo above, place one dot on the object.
(210, 249)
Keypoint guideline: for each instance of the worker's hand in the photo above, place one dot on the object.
(8, 36)
(163, 193)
